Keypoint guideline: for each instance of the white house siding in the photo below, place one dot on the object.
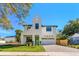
(48, 38)
(51, 33)
(10, 39)
(41, 32)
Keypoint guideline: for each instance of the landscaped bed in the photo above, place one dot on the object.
(12, 48)
(74, 46)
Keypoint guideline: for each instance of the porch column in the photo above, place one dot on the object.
(54, 34)
(21, 39)
(55, 40)
(33, 39)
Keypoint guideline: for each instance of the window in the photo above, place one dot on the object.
(36, 26)
(48, 28)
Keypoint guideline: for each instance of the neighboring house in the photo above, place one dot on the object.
(74, 39)
(2, 41)
(10, 39)
(38, 33)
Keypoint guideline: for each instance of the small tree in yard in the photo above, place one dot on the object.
(18, 34)
(62, 39)
(61, 36)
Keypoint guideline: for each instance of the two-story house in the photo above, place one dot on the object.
(38, 33)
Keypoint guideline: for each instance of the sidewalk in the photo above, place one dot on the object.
(39, 53)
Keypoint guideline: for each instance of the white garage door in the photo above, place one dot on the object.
(48, 42)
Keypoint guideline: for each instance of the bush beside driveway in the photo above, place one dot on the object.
(74, 46)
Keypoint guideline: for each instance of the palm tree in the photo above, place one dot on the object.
(18, 34)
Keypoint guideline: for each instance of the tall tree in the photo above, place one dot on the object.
(71, 27)
(20, 10)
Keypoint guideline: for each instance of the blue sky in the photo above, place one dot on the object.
(51, 14)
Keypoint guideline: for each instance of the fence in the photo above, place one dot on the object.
(62, 42)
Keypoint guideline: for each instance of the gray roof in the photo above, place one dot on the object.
(49, 26)
(75, 35)
(44, 25)
(9, 36)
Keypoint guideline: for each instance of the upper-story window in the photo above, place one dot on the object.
(37, 26)
(48, 28)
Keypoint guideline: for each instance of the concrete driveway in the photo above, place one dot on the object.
(57, 48)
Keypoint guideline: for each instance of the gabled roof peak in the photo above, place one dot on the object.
(37, 17)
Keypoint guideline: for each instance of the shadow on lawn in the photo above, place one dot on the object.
(8, 46)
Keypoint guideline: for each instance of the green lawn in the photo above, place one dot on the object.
(22, 48)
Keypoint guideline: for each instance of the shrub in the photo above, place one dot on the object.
(61, 36)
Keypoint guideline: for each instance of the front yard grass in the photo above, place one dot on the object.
(22, 48)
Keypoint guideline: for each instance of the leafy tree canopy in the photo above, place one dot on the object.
(20, 10)
(71, 27)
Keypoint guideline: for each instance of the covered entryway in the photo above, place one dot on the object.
(29, 39)
(48, 41)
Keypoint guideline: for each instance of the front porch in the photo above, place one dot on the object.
(33, 39)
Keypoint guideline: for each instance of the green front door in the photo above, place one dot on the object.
(36, 39)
